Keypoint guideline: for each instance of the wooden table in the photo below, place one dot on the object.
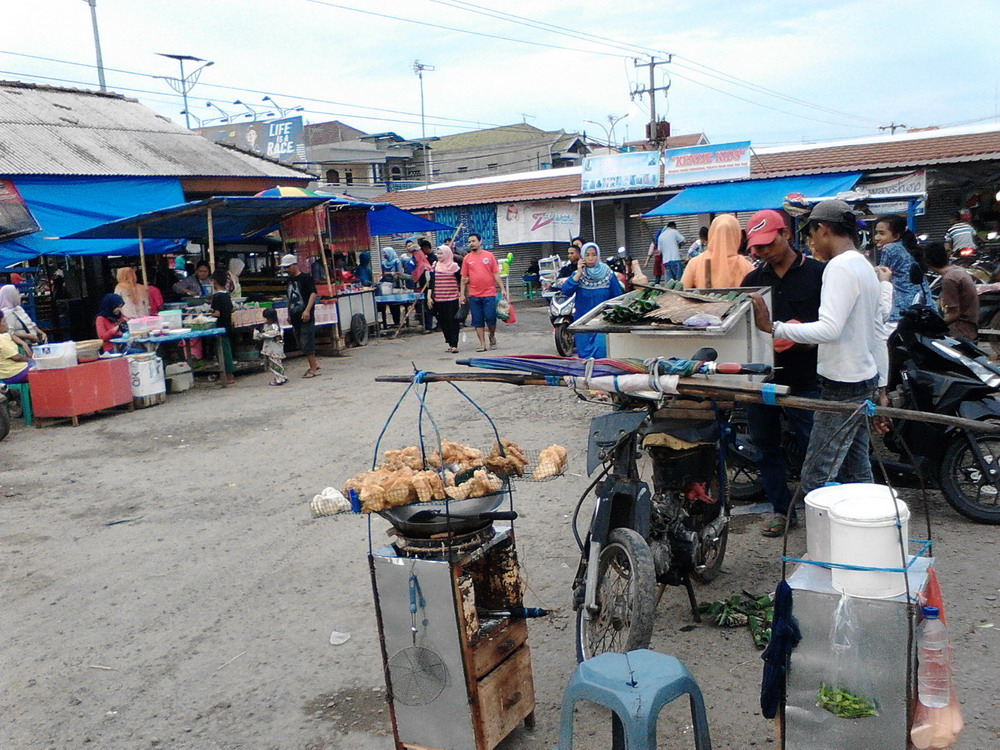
(74, 391)
(152, 343)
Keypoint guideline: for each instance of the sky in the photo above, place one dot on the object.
(765, 71)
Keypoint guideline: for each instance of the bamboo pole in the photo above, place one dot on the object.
(142, 258)
(322, 251)
(747, 393)
(211, 241)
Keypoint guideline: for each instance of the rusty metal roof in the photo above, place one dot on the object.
(911, 150)
(50, 130)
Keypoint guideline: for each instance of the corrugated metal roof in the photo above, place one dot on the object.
(926, 150)
(48, 130)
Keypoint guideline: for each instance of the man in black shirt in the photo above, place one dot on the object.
(795, 282)
(301, 300)
(573, 253)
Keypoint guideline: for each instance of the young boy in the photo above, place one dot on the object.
(273, 347)
(222, 309)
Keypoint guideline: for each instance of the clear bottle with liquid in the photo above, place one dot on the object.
(934, 661)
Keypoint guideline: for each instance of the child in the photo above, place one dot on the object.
(222, 309)
(273, 347)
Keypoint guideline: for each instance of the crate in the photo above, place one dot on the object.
(55, 356)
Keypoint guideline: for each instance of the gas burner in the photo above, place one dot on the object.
(444, 545)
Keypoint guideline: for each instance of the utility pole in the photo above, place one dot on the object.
(892, 127)
(419, 68)
(653, 88)
(97, 43)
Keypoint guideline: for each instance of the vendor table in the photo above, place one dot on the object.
(361, 303)
(152, 343)
(83, 389)
(407, 299)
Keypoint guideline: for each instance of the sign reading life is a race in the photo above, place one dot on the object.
(712, 163)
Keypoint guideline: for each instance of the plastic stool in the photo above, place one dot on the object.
(25, 398)
(529, 286)
(635, 686)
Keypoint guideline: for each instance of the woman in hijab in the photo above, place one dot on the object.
(720, 266)
(364, 269)
(592, 283)
(443, 282)
(136, 295)
(110, 322)
(236, 266)
(19, 322)
(390, 261)
(420, 269)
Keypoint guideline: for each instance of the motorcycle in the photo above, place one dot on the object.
(561, 310)
(4, 410)
(946, 375)
(661, 518)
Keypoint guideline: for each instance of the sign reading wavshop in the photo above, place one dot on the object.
(539, 221)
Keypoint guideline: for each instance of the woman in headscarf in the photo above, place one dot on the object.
(443, 284)
(420, 269)
(593, 282)
(720, 266)
(19, 322)
(136, 295)
(236, 266)
(364, 269)
(110, 321)
(390, 261)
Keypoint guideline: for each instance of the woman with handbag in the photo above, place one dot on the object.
(18, 321)
(443, 283)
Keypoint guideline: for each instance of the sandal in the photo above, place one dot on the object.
(275, 382)
(493, 345)
(481, 350)
(775, 525)
(310, 374)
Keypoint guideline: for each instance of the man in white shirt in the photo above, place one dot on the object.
(853, 362)
(667, 243)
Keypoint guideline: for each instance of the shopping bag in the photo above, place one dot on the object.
(503, 309)
(512, 318)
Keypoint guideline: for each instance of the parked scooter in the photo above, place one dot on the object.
(561, 311)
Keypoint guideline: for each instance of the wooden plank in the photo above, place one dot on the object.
(506, 697)
(497, 646)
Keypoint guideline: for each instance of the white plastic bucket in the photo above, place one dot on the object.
(818, 504)
(863, 532)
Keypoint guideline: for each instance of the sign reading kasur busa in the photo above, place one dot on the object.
(540, 221)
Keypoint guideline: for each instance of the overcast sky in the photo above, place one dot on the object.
(839, 70)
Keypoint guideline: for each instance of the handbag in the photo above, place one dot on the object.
(462, 313)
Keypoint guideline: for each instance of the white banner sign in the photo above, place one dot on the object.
(885, 194)
(639, 169)
(540, 221)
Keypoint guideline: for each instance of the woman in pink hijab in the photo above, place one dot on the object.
(721, 266)
(443, 280)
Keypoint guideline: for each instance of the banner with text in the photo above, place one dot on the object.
(712, 163)
(640, 169)
(283, 140)
(886, 195)
(541, 221)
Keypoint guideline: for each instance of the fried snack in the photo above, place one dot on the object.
(429, 486)
(409, 458)
(511, 463)
(463, 455)
(551, 462)
(480, 483)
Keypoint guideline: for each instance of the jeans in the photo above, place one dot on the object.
(837, 452)
(484, 311)
(673, 269)
(764, 423)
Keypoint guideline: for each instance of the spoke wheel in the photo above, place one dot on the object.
(626, 598)
(967, 488)
(565, 343)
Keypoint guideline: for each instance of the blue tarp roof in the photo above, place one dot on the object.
(63, 205)
(752, 195)
(234, 219)
(385, 218)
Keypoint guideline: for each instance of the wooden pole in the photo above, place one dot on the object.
(322, 250)
(142, 258)
(211, 241)
(748, 393)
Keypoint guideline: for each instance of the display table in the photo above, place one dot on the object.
(152, 343)
(406, 299)
(74, 391)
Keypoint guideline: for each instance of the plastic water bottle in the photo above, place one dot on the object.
(934, 660)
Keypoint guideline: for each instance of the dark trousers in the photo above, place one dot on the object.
(393, 310)
(838, 452)
(445, 312)
(764, 423)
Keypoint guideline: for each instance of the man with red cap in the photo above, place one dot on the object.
(795, 281)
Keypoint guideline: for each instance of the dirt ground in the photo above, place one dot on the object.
(165, 585)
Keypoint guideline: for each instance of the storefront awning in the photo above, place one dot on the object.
(752, 195)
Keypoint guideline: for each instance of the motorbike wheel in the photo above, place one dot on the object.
(712, 555)
(743, 478)
(626, 598)
(4, 419)
(962, 481)
(565, 343)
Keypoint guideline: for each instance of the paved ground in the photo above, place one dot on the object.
(164, 584)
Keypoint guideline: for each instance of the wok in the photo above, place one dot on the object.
(442, 516)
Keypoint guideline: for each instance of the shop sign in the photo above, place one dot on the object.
(640, 169)
(711, 163)
(15, 218)
(538, 221)
(884, 193)
(283, 140)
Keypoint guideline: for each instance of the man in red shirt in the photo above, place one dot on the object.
(480, 284)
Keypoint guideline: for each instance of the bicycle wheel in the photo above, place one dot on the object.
(626, 598)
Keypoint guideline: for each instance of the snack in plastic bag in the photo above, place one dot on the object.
(703, 320)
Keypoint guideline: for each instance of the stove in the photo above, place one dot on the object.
(442, 546)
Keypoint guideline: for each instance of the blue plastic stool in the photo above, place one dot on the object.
(635, 686)
(25, 398)
(530, 282)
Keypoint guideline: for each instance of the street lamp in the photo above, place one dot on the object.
(228, 117)
(419, 68)
(97, 43)
(608, 132)
(185, 83)
(254, 114)
(191, 114)
(281, 110)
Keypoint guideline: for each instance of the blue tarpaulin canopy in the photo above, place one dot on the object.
(64, 205)
(752, 195)
(385, 218)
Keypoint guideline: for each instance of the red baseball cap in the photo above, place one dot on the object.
(764, 226)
